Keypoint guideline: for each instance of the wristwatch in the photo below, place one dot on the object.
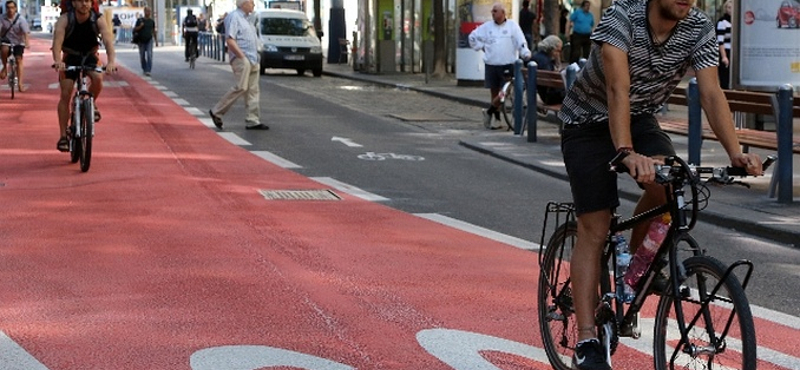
(622, 152)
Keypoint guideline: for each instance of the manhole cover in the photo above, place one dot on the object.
(299, 195)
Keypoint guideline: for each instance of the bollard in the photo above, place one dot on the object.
(785, 153)
(518, 99)
(530, 114)
(695, 135)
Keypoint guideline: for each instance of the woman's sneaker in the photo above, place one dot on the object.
(589, 355)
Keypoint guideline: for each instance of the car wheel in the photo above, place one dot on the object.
(778, 21)
(301, 71)
(317, 72)
(263, 69)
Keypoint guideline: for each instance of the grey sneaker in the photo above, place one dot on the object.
(589, 355)
(497, 124)
(487, 119)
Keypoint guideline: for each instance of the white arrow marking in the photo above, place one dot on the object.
(346, 141)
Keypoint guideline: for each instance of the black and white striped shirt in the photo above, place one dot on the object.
(724, 31)
(654, 70)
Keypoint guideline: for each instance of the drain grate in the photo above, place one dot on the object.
(299, 195)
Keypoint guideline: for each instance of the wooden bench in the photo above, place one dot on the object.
(552, 79)
(739, 101)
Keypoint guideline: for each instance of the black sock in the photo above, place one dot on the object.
(497, 115)
(492, 109)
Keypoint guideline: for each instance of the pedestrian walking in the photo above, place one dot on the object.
(502, 43)
(144, 32)
(526, 20)
(581, 23)
(242, 41)
(117, 24)
(724, 31)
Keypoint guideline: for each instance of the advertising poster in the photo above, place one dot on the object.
(768, 47)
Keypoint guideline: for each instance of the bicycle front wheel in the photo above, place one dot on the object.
(87, 131)
(507, 108)
(717, 317)
(12, 79)
(557, 323)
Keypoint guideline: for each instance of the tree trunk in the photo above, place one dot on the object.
(551, 17)
(439, 46)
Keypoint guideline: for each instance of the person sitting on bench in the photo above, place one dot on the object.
(548, 58)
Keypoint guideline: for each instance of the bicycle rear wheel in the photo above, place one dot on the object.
(87, 131)
(709, 305)
(557, 323)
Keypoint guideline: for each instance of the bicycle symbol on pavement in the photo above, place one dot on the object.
(372, 156)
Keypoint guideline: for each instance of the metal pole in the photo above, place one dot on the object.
(695, 123)
(785, 154)
(518, 86)
(531, 115)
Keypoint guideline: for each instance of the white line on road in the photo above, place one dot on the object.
(349, 189)
(346, 141)
(14, 357)
(274, 159)
(480, 231)
(234, 139)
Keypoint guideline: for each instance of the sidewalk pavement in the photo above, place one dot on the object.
(751, 211)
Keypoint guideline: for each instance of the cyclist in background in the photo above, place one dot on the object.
(14, 30)
(190, 30)
(609, 115)
(75, 43)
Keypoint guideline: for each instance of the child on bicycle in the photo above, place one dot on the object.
(75, 42)
(640, 51)
(14, 30)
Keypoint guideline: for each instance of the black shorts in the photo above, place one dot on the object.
(588, 148)
(18, 50)
(495, 76)
(76, 60)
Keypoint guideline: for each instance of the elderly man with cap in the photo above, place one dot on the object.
(241, 38)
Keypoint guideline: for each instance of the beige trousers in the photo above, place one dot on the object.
(246, 76)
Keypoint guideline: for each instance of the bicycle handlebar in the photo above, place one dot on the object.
(85, 68)
(674, 165)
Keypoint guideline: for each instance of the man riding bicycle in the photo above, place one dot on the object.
(75, 43)
(190, 32)
(640, 51)
(14, 31)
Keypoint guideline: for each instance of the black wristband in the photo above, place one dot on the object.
(617, 160)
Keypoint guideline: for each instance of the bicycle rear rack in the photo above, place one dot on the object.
(563, 212)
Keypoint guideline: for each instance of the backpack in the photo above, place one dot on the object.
(190, 21)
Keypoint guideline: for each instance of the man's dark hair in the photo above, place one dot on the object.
(12, 2)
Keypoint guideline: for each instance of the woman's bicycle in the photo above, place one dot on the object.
(81, 128)
(703, 318)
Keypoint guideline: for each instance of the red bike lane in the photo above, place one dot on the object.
(165, 255)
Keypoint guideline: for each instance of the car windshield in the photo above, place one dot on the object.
(286, 27)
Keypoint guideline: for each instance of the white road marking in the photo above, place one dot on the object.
(274, 159)
(346, 141)
(234, 139)
(480, 231)
(349, 189)
(14, 357)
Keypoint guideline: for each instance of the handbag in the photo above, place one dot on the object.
(135, 38)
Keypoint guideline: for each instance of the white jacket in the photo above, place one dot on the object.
(501, 43)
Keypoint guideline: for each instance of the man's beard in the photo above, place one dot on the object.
(672, 14)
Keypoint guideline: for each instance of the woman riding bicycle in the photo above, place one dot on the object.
(75, 43)
(14, 31)
(640, 51)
